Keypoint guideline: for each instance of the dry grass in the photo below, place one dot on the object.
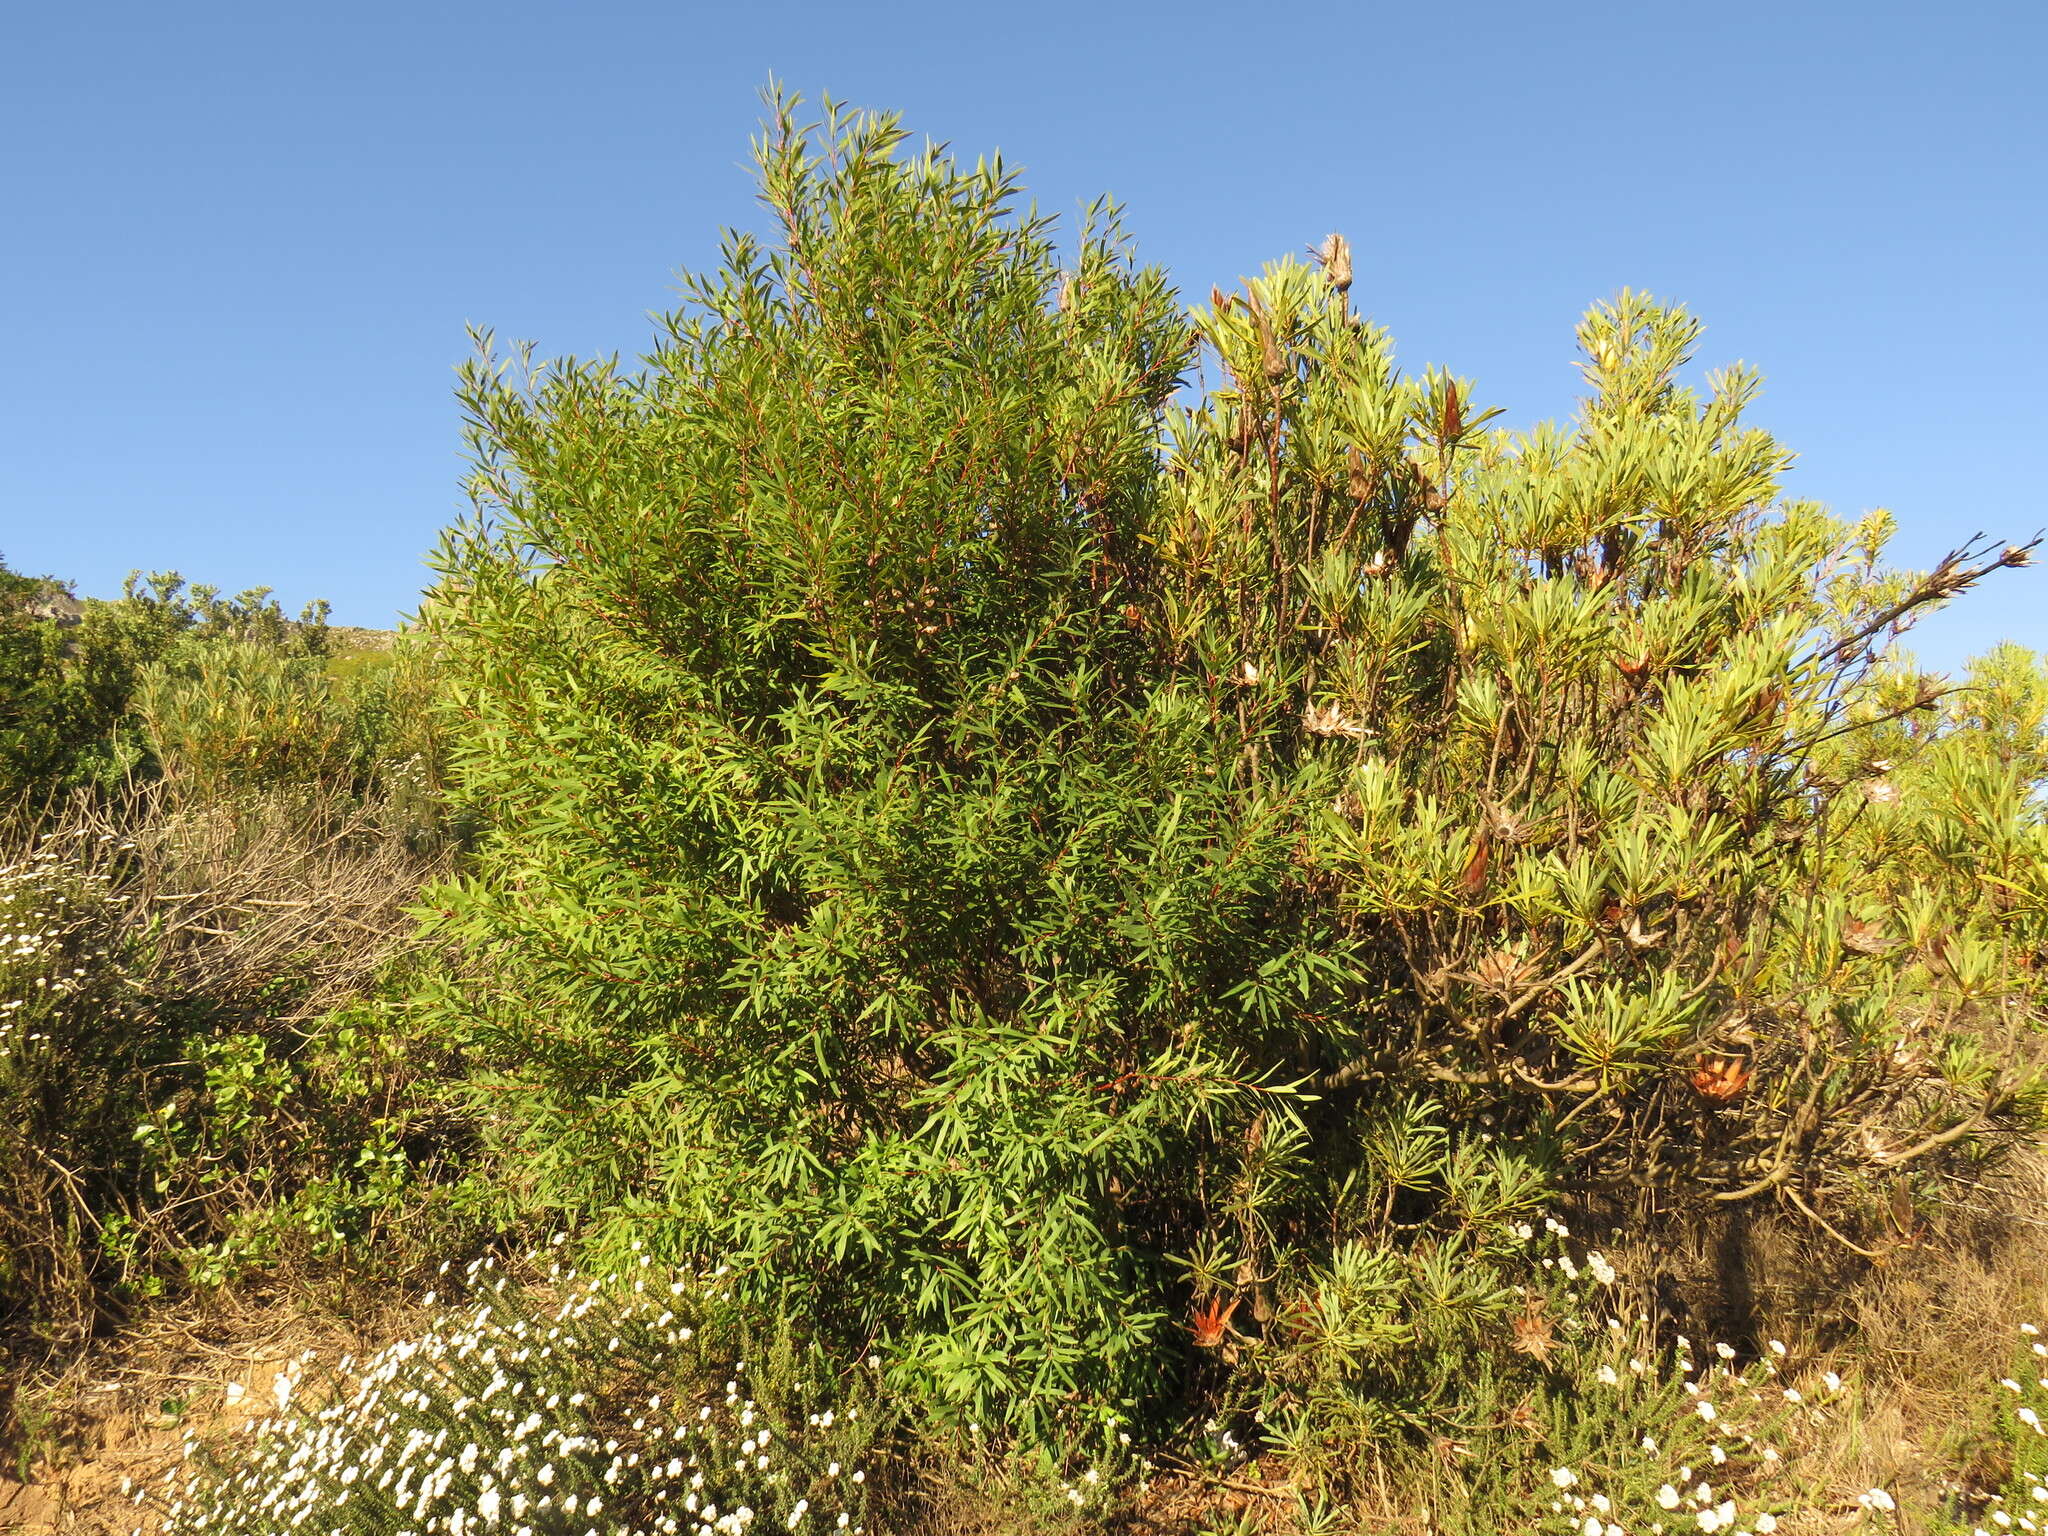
(232, 894)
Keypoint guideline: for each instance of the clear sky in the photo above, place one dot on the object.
(239, 243)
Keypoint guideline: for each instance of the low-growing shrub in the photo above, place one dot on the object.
(195, 1078)
(222, 716)
(77, 1058)
(615, 1403)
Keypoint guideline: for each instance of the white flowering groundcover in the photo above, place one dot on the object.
(581, 1407)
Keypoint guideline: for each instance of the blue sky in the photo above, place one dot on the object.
(241, 243)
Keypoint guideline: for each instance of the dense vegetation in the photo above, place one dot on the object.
(1113, 882)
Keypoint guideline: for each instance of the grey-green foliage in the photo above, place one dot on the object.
(860, 907)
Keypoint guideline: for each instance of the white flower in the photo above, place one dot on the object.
(1606, 1377)
(1563, 1477)
(1705, 1410)
(1591, 1527)
(1766, 1523)
(1709, 1519)
(1667, 1497)
(1777, 1348)
(1792, 1395)
(1876, 1498)
(2031, 1419)
(1831, 1381)
(1725, 1351)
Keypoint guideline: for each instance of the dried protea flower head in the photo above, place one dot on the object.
(1329, 720)
(1334, 256)
(1506, 972)
(1531, 1333)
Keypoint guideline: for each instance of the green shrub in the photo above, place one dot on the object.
(859, 912)
(66, 687)
(1010, 890)
(226, 715)
(1598, 721)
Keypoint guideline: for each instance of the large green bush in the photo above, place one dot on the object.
(1019, 866)
(868, 914)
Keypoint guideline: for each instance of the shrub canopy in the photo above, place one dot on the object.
(1001, 850)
